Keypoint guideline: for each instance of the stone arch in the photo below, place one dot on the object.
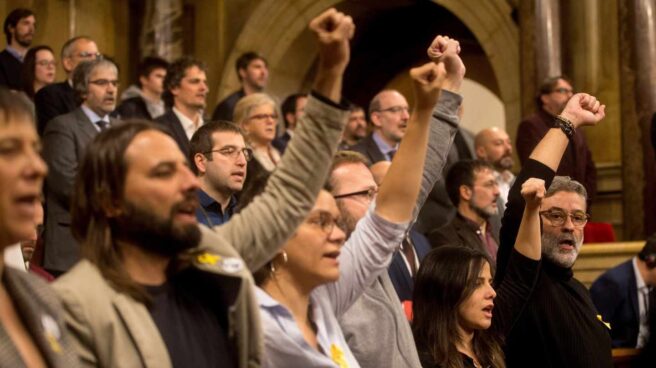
(277, 29)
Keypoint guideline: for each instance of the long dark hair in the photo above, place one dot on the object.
(446, 278)
(99, 187)
(28, 69)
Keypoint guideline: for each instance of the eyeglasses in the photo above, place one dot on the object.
(104, 82)
(89, 55)
(264, 116)
(558, 217)
(395, 109)
(233, 152)
(46, 63)
(323, 220)
(563, 90)
(370, 194)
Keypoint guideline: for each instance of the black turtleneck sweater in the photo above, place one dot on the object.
(558, 326)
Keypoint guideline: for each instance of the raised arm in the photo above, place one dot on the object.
(444, 120)
(262, 228)
(528, 241)
(582, 109)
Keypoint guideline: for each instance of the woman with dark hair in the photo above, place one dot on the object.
(454, 297)
(39, 67)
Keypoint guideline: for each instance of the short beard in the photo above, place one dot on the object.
(347, 222)
(552, 252)
(504, 163)
(482, 212)
(160, 236)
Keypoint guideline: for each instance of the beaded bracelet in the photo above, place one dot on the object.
(565, 125)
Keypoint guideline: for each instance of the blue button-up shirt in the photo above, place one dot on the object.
(209, 212)
(385, 148)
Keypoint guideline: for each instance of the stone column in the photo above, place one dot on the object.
(547, 39)
(638, 73)
(161, 34)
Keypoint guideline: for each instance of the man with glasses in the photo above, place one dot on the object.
(559, 325)
(577, 162)
(219, 157)
(185, 94)
(473, 190)
(59, 98)
(389, 114)
(64, 142)
(19, 29)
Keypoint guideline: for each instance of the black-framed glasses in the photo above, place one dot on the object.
(395, 109)
(563, 90)
(105, 82)
(233, 152)
(370, 194)
(559, 217)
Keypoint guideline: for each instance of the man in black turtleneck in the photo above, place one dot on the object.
(559, 325)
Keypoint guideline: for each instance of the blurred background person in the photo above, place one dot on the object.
(39, 69)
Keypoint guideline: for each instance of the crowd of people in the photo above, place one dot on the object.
(314, 234)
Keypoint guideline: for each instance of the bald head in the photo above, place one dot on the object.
(389, 113)
(379, 170)
(493, 145)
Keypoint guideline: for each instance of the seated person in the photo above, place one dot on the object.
(622, 296)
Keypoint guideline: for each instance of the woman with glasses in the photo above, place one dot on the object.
(39, 67)
(257, 115)
(318, 274)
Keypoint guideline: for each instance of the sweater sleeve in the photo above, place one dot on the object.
(512, 216)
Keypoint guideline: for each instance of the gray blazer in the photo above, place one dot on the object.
(64, 141)
(376, 318)
(41, 313)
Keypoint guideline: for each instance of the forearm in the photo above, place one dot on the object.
(551, 148)
(329, 85)
(528, 242)
(399, 192)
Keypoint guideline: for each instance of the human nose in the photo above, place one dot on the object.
(37, 168)
(337, 235)
(491, 293)
(189, 180)
(405, 114)
(568, 225)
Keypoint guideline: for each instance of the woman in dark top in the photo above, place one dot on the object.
(38, 69)
(453, 310)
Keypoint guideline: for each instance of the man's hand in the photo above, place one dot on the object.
(533, 191)
(446, 50)
(584, 109)
(427, 80)
(333, 30)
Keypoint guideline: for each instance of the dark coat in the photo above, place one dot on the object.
(458, 232)
(398, 271)
(10, 71)
(133, 108)
(174, 127)
(52, 101)
(368, 147)
(281, 142)
(225, 109)
(64, 143)
(615, 294)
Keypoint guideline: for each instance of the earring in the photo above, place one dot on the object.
(272, 266)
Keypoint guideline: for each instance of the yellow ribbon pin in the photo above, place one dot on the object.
(337, 356)
(207, 258)
(602, 321)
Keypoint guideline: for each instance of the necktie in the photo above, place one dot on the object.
(102, 125)
(391, 154)
(409, 253)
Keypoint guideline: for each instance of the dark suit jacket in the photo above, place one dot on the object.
(577, 160)
(64, 143)
(174, 127)
(42, 315)
(226, 108)
(398, 271)
(281, 142)
(368, 147)
(133, 108)
(653, 132)
(615, 294)
(458, 232)
(52, 101)
(10, 71)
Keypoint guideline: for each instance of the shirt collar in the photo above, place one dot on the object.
(92, 115)
(187, 124)
(640, 283)
(205, 200)
(15, 53)
(382, 145)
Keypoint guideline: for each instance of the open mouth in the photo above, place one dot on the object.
(332, 256)
(26, 204)
(488, 310)
(567, 244)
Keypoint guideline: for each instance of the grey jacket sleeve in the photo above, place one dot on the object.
(59, 152)
(264, 225)
(444, 125)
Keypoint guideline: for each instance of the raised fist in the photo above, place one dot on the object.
(427, 80)
(333, 30)
(584, 109)
(446, 50)
(533, 191)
